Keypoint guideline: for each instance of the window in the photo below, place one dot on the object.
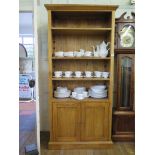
(27, 41)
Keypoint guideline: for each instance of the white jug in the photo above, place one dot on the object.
(103, 51)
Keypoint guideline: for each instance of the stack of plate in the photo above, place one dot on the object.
(98, 91)
(62, 92)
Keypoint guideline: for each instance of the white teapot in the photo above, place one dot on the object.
(102, 49)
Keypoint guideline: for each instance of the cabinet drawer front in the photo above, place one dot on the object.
(66, 118)
(95, 121)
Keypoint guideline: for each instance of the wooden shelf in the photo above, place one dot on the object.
(80, 58)
(84, 100)
(78, 79)
(65, 30)
(81, 29)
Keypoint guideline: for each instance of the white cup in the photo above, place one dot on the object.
(58, 73)
(68, 73)
(97, 73)
(59, 54)
(88, 73)
(105, 74)
(74, 94)
(78, 73)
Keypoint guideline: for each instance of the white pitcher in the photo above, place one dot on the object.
(103, 51)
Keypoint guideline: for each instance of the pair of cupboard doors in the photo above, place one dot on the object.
(80, 121)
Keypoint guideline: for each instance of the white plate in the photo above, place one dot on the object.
(98, 88)
(62, 95)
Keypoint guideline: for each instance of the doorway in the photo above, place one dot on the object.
(27, 95)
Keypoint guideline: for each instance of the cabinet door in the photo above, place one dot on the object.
(125, 81)
(66, 119)
(94, 121)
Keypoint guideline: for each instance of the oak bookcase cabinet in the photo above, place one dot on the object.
(85, 123)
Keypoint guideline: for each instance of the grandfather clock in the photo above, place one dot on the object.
(123, 110)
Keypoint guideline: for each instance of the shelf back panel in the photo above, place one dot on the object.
(71, 85)
(81, 19)
(81, 65)
(72, 42)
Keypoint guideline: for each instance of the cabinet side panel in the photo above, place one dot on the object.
(111, 73)
(49, 71)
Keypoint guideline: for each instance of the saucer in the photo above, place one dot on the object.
(88, 77)
(97, 76)
(67, 76)
(57, 76)
(78, 76)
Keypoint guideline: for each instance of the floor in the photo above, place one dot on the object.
(117, 149)
(27, 131)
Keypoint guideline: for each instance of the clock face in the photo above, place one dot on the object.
(127, 39)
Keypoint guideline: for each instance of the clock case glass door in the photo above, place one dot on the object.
(125, 81)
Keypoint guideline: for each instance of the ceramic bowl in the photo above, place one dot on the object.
(61, 89)
(79, 89)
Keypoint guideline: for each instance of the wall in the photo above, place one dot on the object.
(124, 5)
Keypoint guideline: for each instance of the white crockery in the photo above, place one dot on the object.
(58, 73)
(69, 54)
(96, 54)
(78, 54)
(59, 54)
(97, 73)
(74, 94)
(105, 74)
(61, 89)
(98, 88)
(78, 73)
(85, 94)
(62, 95)
(80, 96)
(79, 89)
(88, 73)
(88, 54)
(82, 51)
(68, 74)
